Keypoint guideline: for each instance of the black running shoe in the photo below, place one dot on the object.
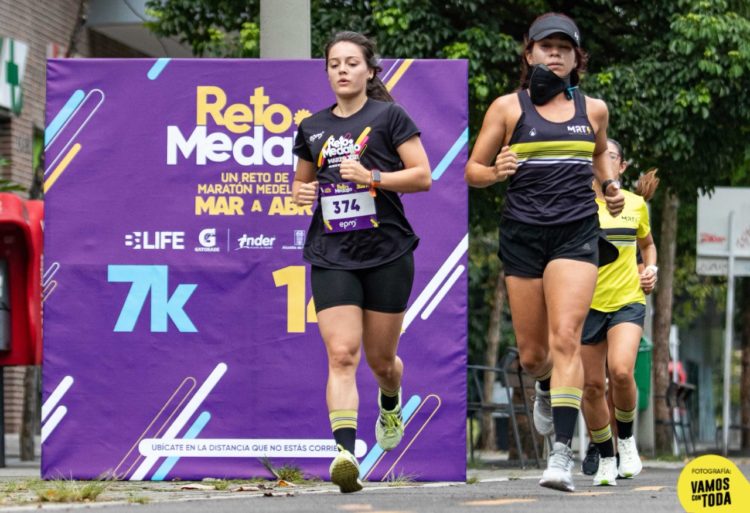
(590, 463)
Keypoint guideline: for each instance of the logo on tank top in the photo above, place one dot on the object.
(532, 132)
(335, 150)
(579, 129)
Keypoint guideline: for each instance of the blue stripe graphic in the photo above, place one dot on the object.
(71, 105)
(193, 432)
(449, 157)
(157, 68)
(376, 451)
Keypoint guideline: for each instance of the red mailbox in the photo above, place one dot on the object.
(20, 281)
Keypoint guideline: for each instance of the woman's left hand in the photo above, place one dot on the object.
(353, 171)
(615, 200)
(648, 279)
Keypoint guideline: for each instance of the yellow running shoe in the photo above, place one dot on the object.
(389, 428)
(345, 471)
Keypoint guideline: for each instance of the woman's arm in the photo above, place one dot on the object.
(599, 118)
(304, 187)
(415, 177)
(649, 273)
(481, 171)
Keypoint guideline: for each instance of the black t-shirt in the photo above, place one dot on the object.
(326, 140)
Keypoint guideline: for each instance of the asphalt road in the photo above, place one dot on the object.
(652, 491)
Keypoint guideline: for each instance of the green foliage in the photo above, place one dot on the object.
(216, 28)
(675, 74)
(8, 185)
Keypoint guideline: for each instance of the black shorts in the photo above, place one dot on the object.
(385, 288)
(526, 249)
(598, 323)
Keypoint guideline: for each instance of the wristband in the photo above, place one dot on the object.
(374, 181)
(653, 268)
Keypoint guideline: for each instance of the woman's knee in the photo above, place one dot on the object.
(382, 366)
(593, 390)
(566, 341)
(621, 377)
(533, 360)
(343, 357)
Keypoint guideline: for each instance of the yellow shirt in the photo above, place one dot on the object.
(619, 284)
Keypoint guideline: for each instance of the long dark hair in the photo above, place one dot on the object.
(582, 58)
(375, 87)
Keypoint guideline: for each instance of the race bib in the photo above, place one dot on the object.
(347, 207)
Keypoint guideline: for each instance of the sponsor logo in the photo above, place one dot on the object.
(298, 240)
(579, 129)
(315, 137)
(252, 133)
(155, 240)
(255, 242)
(710, 237)
(207, 241)
(532, 132)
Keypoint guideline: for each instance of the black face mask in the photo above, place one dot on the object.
(545, 85)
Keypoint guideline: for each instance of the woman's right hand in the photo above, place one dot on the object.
(307, 194)
(506, 163)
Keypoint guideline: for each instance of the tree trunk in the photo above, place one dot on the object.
(488, 441)
(30, 412)
(663, 321)
(745, 373)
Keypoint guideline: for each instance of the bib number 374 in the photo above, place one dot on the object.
(347, 207)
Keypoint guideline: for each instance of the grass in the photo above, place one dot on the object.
(289, 473)
(68, 491)
(472, 480)
(401, 479)
(138, 499)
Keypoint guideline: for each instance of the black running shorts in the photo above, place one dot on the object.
(598, 323)
(526, 249)
(385, 288)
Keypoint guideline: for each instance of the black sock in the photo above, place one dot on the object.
(566, 403)
(545, 380)
(388, 400)
(602, 438)
(624, 419)
(345, 437)
(344, 428)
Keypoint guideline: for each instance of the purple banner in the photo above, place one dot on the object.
(180, 339)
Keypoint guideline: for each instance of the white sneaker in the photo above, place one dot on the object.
(558, 474)
(543, 412)
(630, 461)
(344, 471)
(606, 474)
(389, 426)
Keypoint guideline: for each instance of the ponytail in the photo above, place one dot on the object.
(647, 184)
(377, 91)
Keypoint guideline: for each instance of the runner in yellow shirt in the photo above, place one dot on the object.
(613, 329)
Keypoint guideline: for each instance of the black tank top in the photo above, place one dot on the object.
(552, 184)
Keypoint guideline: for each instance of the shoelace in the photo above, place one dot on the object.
(559, 460)
(390, 420)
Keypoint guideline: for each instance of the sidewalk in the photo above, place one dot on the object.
(22, 489)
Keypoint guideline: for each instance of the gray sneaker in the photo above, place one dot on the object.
(543, 412)
(558, 474)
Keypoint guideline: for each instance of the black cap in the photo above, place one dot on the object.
(554, 24)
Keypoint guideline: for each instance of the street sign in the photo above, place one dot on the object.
(712, 243)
